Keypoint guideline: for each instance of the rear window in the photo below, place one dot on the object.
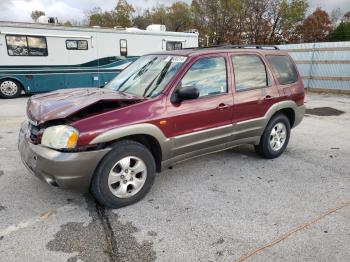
(283, 68)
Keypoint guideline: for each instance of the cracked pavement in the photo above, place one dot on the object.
(213, 208)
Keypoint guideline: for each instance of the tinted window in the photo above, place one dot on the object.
(37, 46)
(283, 68)
(173, 46)
(26, 45)
(250, 72)
(208, 75)
(77, 44)
(17, 45)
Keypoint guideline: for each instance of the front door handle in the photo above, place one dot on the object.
(222, 106)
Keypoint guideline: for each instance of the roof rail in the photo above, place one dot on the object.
(251, 46)
(229, 46)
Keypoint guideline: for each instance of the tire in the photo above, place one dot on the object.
(10, 88)
(119, 180)
(275, 138)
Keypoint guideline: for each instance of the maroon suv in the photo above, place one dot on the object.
(163, 109)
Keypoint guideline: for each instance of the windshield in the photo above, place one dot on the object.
(147, 76)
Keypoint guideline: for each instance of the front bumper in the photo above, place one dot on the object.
(60, 169)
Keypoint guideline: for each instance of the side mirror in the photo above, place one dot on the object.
(185, 93)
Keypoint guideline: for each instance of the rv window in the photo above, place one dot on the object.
(26, 45)
(77, 44)
(123, 47)
(37, 46)
(173, 46)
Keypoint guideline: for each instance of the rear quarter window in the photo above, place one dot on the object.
(283, 69)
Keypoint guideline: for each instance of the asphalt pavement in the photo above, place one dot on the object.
(227, 206)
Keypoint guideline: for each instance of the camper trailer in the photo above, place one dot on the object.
(37, 58)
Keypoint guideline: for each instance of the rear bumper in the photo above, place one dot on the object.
(299, 114)
(66, 170)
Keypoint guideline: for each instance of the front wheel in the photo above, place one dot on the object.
(9, 88)
(124, 176)
(275, 138)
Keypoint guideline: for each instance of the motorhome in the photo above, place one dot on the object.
(37, 58)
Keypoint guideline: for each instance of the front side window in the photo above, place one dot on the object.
(77, 45)
(172, 45)
(208, 75)
(147, 76)
(249, 71)
(26, 45)
(283, 68)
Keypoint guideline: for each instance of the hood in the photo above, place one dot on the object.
(67, 102)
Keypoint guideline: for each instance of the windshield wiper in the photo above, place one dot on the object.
(160, 77)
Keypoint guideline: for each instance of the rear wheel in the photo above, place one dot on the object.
(10, 88)
(124, 176)
(275, 138)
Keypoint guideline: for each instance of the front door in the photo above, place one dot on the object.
(205, 122)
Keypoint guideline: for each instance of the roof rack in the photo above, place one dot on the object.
(251, 46)
(229, 46)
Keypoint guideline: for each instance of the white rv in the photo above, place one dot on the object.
(43, 57)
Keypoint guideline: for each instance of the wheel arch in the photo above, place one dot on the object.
(150, 142)
(285, 107)
(148, 135)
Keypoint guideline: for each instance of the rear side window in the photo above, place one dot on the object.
(208, 75)
(250, 72)
(283, 68)
(26, 45)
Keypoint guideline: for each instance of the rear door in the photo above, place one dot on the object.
(254, 94)
(206, 121)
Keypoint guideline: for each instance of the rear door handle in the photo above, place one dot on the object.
(222, 106)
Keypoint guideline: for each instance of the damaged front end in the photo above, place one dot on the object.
(57, 110)
(48, 141)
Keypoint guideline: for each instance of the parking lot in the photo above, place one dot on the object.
(228, 206)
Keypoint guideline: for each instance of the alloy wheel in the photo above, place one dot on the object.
(127, 177)
(278, 136)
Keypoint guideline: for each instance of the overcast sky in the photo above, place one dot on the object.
(19, 10)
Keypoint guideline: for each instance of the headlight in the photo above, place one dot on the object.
(60, 137)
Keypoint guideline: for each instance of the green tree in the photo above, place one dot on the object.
(287, 17)
(341, 32)
(179, 17)
(159, 15)
(123, 12)
(142, 20)
(105, 19)
(36, 14)
(120, 16)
